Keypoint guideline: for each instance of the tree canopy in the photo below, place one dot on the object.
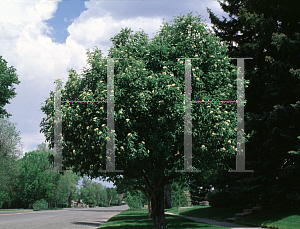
(8, 77)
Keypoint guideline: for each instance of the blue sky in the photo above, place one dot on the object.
(37, 34)
(63, 17)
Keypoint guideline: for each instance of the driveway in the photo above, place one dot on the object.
(67, 218)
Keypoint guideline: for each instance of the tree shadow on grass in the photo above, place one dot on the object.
(129, 221)
(216, 213)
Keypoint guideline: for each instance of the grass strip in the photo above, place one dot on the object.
(137, 219)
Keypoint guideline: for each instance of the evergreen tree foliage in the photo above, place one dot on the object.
(268, 31)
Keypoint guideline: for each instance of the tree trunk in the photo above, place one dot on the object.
(168, 199)
(150, 215)
(157, 205)
(119, 200)
(110, 201)
(70, 199)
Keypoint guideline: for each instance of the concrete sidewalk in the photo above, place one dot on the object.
(214, 222)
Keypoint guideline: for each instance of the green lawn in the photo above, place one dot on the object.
(282, 218)
(137, 219)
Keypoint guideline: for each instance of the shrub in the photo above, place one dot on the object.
(63, 205)
(91, 206)
(40, 205)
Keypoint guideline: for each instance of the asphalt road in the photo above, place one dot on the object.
(67, 218)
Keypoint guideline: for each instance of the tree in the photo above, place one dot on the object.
(112, 196)
(8, 77)
(149, 88)
(135, 199)
(268, 31)
(66, 187)
(10, 144)
(76, 195)
(178, 197)
(34, 182)
(88, 194)
(95, 193)
(33, 178)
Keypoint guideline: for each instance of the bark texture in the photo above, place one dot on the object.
(150, 208)
(168, 197)
(157, 205)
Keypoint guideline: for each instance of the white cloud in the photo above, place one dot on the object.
(30, 141)
(98, 31)
(25, 44)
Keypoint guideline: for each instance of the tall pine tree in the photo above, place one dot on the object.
(268, 31)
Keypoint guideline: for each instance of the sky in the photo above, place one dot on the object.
(37, 35)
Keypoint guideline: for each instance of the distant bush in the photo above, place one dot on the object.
(40, 205)
(133, 200)
(91, 206)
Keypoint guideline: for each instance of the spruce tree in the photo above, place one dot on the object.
(268, 31)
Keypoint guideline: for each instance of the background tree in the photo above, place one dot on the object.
(76, 195)
(66, 187)
(8, 77)
(178, 197)
(268, 31)
(93, 193)
(135, 199)
(101, 195)
(112, 196)
(33, 178)
(34, 182)
(10, 145)
(149, 88)
(88, 194)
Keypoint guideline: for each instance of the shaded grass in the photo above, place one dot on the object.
(137, 219)
(282, 218)
(220, 214)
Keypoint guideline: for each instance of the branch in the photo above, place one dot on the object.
(147, 184)
(144, 191)
(168, 178)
